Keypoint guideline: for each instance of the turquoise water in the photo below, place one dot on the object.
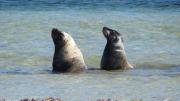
(152, 43)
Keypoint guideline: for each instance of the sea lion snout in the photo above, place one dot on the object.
(58, 37)
(56, 34)
(106, 31)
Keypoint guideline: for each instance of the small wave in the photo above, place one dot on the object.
(23, 72)
(156, 65)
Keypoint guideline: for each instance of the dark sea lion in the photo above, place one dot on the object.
(114, 56)
(67, 56)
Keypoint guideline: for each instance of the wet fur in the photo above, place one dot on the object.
(67, 56)
(114, 56)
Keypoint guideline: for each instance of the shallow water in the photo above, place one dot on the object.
(150, 30)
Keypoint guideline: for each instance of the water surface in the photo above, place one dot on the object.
(150, 30)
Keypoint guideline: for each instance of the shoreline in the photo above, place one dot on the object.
(58, 99)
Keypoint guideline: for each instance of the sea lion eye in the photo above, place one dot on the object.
(114, 37)
(119, 36)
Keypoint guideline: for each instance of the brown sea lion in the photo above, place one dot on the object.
(67, 56)
(114, 56)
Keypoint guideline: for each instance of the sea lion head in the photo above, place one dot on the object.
(112, 35)
(59, 37)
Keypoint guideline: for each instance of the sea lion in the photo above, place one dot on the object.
(67, 56)
(114, 56)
